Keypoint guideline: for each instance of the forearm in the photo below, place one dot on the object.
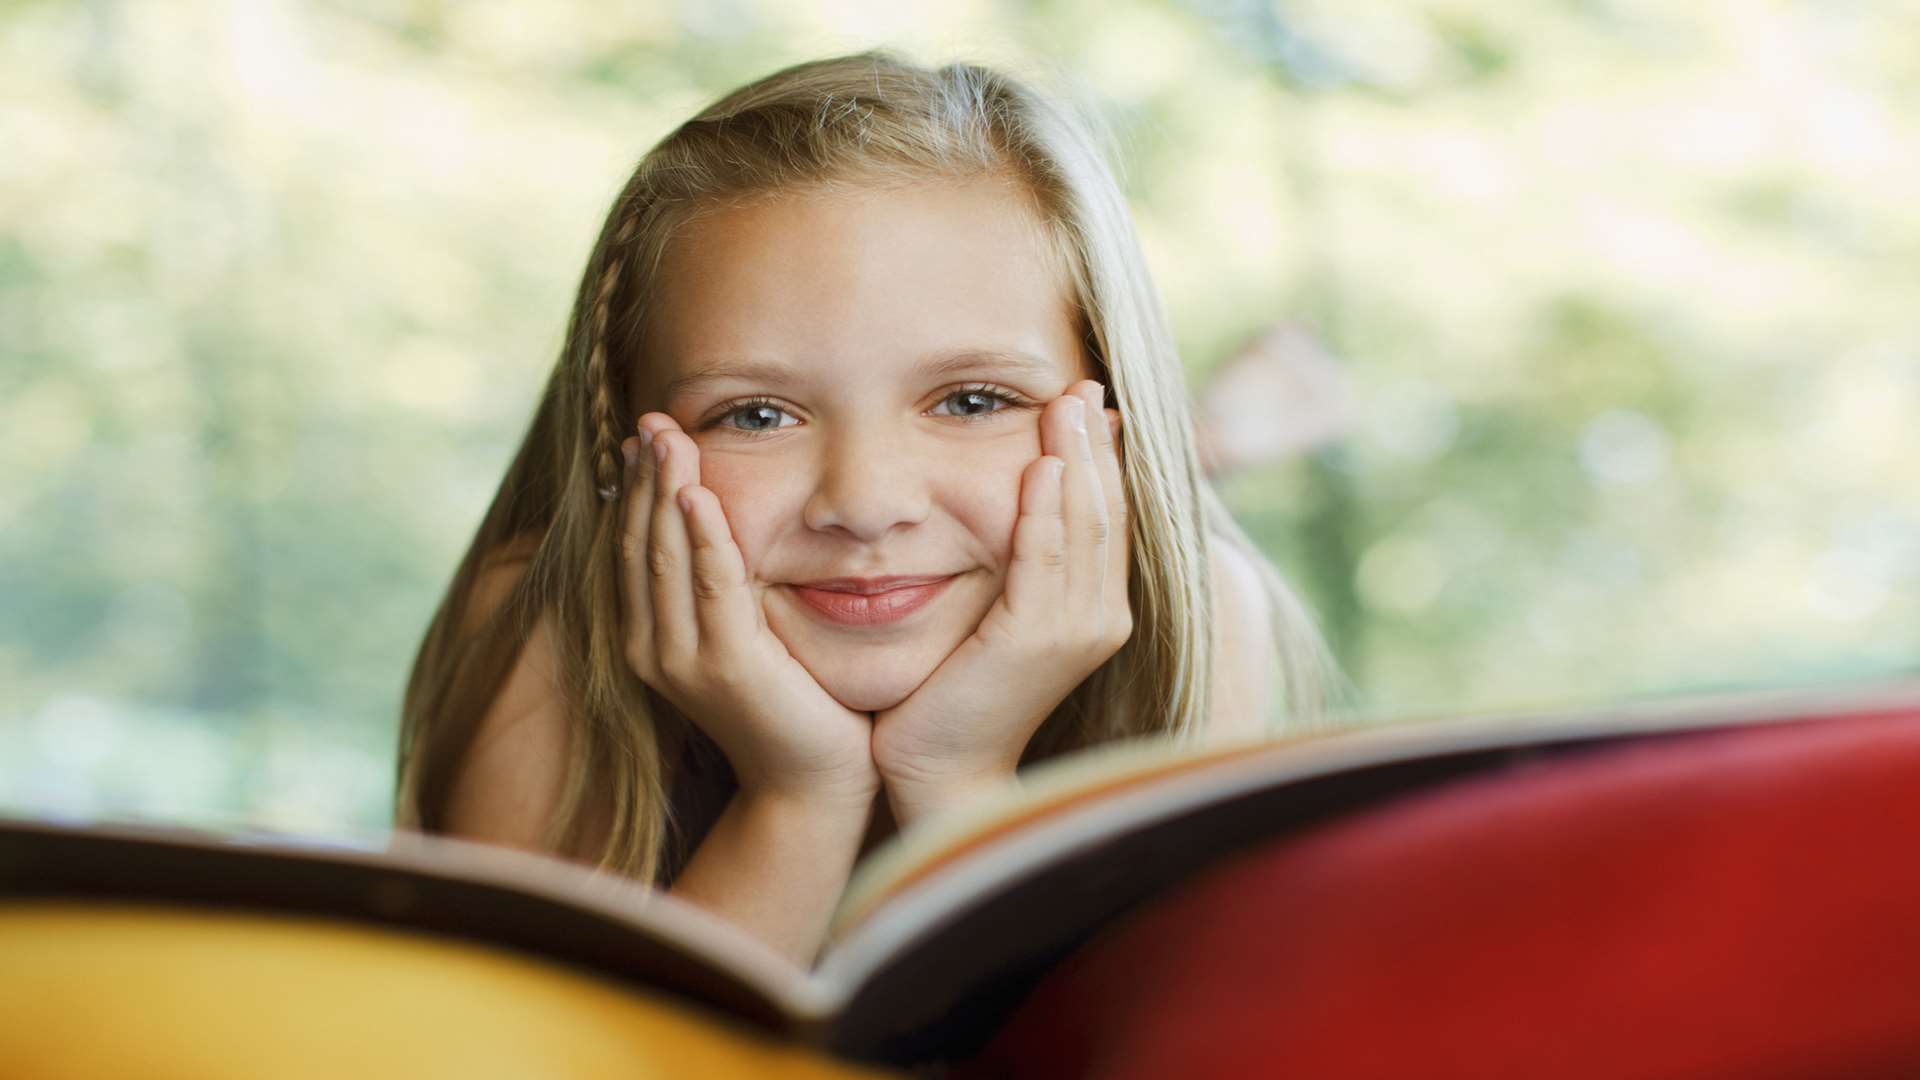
(776, 866)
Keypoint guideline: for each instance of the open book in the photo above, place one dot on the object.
(941, 933)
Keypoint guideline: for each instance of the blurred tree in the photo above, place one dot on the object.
(1620, 296)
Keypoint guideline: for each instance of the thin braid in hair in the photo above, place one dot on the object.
(606, 465)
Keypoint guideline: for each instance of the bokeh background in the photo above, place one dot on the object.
(1561, 352)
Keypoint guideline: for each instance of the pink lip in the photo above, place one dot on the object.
(869, 601)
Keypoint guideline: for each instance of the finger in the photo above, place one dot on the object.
(723, 604)
(676, 634)
(1037, 578)
(1106, 451)
(1105, 432)
(636, 597)
(1081, 500)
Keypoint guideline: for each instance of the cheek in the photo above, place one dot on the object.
(756, 496)
(985, 498)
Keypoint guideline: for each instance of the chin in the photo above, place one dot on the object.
(868, 691)
(872, 679)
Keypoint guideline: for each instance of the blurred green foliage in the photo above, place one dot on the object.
(1623, 294)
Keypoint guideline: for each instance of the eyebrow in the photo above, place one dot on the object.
(1011, 363)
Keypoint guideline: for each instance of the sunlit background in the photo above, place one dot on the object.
(1560, 351)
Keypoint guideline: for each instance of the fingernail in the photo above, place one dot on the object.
(660, 452)
(646, 437)
(629, 451)
(686, 504)
(1077, 414)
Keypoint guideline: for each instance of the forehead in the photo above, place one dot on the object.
(866, 281)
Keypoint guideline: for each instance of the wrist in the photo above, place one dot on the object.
(845, 786)
(917, 797)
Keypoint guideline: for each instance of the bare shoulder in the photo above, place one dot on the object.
(509, 783)
(500, 570)
(1244, 649)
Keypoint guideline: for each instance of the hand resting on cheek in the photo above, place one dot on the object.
(695, 632)
(699, 635)
(1063, 612)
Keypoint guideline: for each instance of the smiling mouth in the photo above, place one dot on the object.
(869, 601)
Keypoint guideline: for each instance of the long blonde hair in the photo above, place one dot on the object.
(871, 118)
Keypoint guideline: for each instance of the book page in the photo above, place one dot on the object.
(1094, 786)
(1046, 790)
(943, 935)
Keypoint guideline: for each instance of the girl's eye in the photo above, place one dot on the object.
(755, 417)
(765, 417)
(974, 401)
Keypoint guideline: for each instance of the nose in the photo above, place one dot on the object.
(867, 485)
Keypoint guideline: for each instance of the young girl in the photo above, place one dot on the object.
(865, 477)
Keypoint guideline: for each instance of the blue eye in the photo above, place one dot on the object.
(764, 416)
(974, 401)
(755, 417)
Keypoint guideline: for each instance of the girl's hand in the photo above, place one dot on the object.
(697, 635)
(1062, 613)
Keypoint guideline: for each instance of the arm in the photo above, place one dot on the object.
(1244, 653)
(776, 866)
(509, 785)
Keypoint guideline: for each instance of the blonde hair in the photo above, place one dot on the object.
(871, 118)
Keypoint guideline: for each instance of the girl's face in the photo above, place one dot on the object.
(863, 372)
